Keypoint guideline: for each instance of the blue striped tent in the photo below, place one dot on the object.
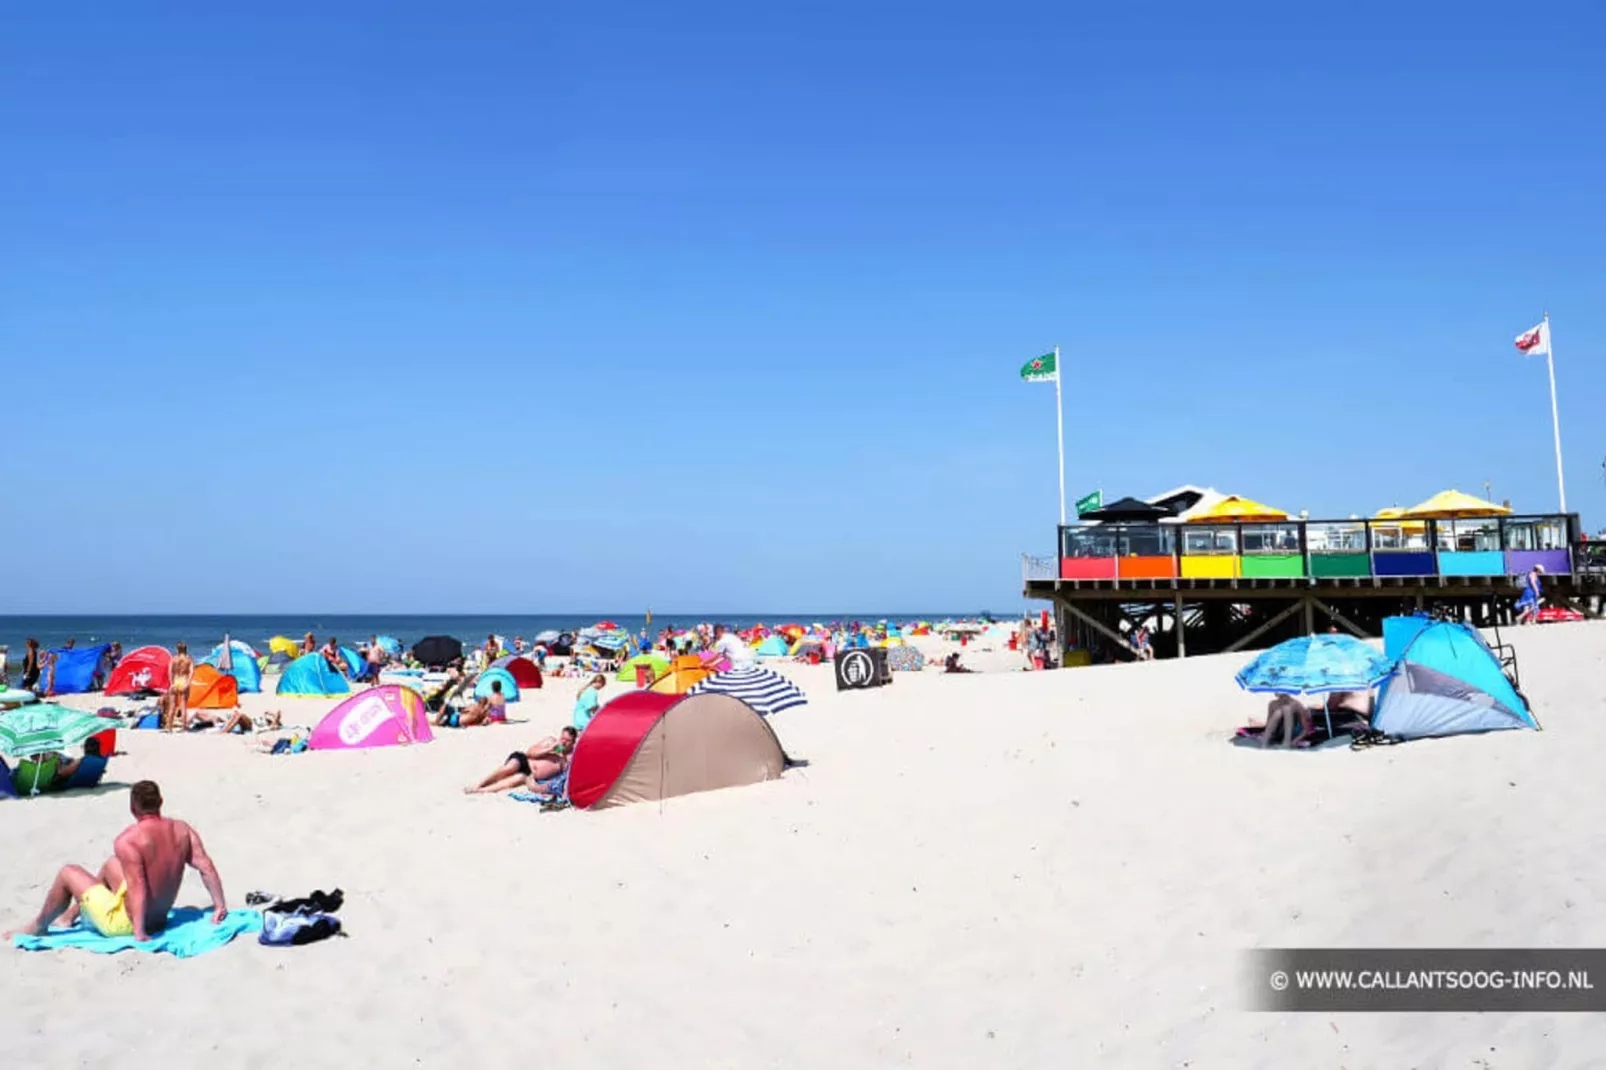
(767, 692)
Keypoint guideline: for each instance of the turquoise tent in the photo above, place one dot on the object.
(1446, 681)
(510, 686)
(309, 676)
(243, 665)
(774, 647)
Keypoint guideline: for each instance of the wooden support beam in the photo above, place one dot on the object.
(1266, 627)
(1355, 629)
(1310, 618)
(1100, 627)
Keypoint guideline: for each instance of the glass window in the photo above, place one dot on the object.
(1092, 541)
(1468, 536)
(1201, 540)
(1400, 535)
(1544, 533)
(1337, 538)
(1147, 540)
(1271, 538)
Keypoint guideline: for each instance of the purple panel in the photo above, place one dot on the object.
(1555, 561)
(1405, 564)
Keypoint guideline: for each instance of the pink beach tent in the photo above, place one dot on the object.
(389, 716)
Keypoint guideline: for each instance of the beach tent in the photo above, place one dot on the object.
(212, 689)
(389, 716)
(645, 746)
(75, 669)
(144, 669)
(1453, 503)
(390, 645)
(510, 686)
(277, 661)
(241, 664)
(309, 676)
(525, 672)
(283, 644)
(680, 681)
(1446, 681)
(356, 664)
(627, 671)
(773, 647)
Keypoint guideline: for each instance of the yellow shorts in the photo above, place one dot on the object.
(106, 911)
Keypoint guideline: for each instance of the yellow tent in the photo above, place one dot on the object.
(1234, 509)
(678, 681)
(1453, 503)
(280, 644)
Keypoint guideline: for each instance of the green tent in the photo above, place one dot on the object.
(627, 671)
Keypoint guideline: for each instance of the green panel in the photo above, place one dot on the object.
(1327, 566)
(1262, 565)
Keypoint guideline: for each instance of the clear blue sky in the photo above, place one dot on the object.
(722, 305)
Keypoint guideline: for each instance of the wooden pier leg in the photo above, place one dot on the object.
(1182, 628)
(1310, 617)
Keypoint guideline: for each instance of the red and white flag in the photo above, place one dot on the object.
(1535, 343)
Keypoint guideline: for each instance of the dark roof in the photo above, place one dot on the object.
(1128, 509)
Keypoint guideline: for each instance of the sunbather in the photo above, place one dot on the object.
(527, 768)
(82, 772)
(492, 707)
(1282, 712)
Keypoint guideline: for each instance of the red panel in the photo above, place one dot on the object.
(609, 742)
(1087, 568)
(1148, 568)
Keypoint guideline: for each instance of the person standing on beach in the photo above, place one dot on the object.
(137, 886)
(175, 704)
(309, 643)
(729, 645)
(1532, 589)
(30, 666)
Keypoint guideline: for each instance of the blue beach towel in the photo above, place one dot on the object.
(189, 932)
(550, 790)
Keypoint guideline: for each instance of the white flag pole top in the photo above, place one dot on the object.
(1532, 343)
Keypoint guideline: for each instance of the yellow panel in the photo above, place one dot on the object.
(1214, 567)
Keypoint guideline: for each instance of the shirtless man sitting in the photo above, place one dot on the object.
(135, 889)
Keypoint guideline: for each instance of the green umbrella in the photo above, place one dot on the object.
(45, 727)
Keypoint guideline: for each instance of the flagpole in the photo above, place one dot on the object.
(1059, 413)
(1555, 420)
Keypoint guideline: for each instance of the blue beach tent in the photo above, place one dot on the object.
(1446, 681)
(242, 665)
(356, 664)
(510, 686)
(75, 668)
(311, 677)
(773, 647)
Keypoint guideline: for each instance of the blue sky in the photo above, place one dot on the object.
(519, 307)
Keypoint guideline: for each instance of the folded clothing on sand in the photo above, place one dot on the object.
(189, 932)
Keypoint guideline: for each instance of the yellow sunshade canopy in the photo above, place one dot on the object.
(1238, 510)
(1453, 503)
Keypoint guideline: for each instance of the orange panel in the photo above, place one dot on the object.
(1147, 568)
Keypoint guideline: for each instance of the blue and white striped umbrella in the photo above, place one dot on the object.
(1313, 664)
(767, 692)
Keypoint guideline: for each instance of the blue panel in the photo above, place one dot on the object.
(1478, 563)
(1404, 564)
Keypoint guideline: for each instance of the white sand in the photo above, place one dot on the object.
(1049, 869)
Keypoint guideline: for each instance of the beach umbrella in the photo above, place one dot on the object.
(389, 644)
(1314, 665)
(658, 665)
(767, 692)
(1453, 503)
(437, 650)
(45, 727)
(1237, 510)
(606, 626)
(281, 644)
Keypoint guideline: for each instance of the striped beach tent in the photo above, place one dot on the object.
(767, 692)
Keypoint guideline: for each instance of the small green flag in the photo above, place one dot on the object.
(1043, 369)
(1089, 502)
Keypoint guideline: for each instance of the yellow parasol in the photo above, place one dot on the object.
(1395, 512)
(1453, 503)
(1233, 509)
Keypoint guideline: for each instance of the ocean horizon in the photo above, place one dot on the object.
(204, 631)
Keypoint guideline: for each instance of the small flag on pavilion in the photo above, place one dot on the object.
(1043, 369)
(1535, 343)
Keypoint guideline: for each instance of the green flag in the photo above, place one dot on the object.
(1043, 369)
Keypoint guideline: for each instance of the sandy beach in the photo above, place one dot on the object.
(1003, 869)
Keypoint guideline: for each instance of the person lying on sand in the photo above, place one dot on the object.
(492, 707)
(135, 889)
(540, 761)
